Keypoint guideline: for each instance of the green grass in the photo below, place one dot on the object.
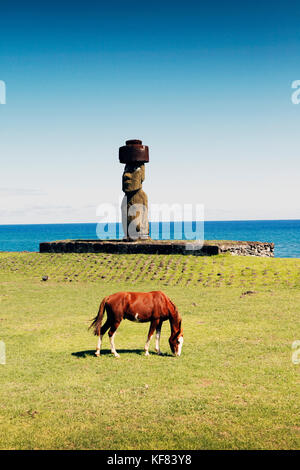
(234, 387)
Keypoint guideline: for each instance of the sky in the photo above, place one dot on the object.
(206, 85)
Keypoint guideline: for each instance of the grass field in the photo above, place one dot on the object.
(234, 387)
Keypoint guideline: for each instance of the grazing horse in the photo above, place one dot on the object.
(154, 307)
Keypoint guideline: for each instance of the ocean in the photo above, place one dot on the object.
(284, 233)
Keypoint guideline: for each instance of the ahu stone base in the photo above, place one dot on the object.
(166, 247)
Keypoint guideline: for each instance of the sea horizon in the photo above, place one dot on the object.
(284, 233)
(164, 221)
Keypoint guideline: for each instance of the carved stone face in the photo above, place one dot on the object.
(133, 177)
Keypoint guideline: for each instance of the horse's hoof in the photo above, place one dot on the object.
(97, 354)
(117, 355)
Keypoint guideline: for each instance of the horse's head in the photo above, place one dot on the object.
(176, 341)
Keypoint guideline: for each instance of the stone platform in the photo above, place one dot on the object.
(163, 247)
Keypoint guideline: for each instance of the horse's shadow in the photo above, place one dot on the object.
(107, 352)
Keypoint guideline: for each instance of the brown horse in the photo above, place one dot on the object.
(154, 307)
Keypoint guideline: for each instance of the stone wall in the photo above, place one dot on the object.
(248, 248)
(237, 248)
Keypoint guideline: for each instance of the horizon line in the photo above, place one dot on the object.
(162, 221)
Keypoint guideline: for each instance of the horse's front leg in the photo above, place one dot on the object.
(157, 338)
(153, 325)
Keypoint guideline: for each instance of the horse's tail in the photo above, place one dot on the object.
(96, 323)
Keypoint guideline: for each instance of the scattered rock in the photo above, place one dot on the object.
(45, 278)
(32, 413)
(248, 292)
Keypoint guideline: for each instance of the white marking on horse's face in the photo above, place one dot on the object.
(180, 343)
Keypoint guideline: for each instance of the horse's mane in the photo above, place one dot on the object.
(176, 310)
(176, 317)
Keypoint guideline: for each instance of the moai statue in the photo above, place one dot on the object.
(135, 202)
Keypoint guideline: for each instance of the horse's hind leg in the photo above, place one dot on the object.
(153, 325)
(111, 335)
(103, 330)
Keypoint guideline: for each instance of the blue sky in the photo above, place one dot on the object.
(206, 85)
